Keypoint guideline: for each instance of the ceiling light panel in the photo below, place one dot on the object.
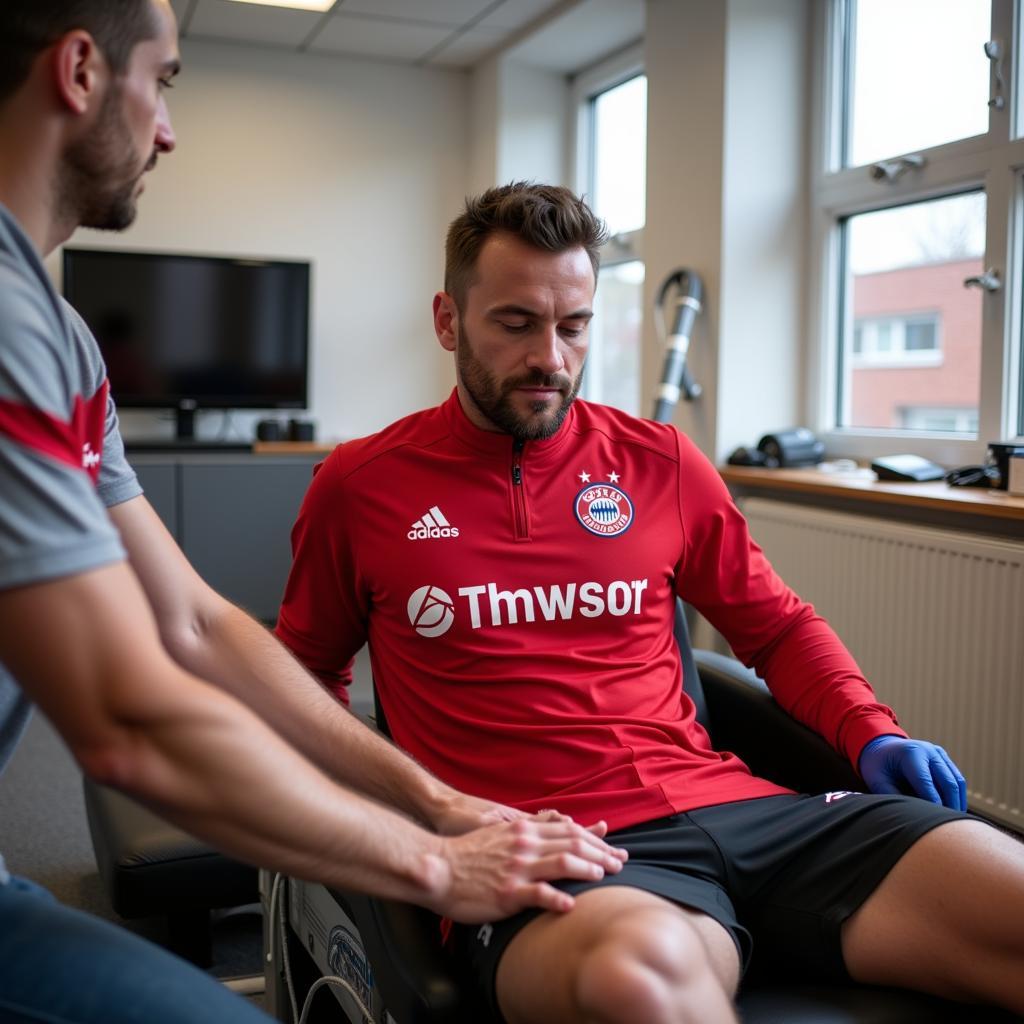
(442, 12)
(295, 5)
(274, 26)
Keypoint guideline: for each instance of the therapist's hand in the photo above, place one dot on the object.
(459, 813)
(892, 764)
(493, 872)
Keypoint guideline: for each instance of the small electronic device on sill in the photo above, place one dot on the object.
(907, 467)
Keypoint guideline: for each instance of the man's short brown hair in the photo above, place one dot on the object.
(548, 217)
(27, 27)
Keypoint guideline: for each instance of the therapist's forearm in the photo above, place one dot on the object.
(227, 647)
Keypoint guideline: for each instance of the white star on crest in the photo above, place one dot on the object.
(584, 478)
(613, 478)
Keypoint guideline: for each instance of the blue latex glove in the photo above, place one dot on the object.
(892, 764)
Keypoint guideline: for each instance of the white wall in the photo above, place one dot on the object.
(764, 220)
(684, 57)
(356, 165)
(727, 81)
(521, 120)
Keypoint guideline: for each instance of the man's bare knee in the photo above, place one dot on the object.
(655, 968)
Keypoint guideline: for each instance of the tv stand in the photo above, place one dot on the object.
(186, 444)
(231, 512)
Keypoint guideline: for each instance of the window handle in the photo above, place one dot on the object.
(890, 170)
(994, 52)
(989, 281)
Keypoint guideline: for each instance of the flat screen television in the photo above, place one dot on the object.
(195, 332)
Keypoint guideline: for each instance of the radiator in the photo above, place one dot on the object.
(934, 619)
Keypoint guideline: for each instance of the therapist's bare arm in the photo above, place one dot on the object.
(86, 650)
(215, 640)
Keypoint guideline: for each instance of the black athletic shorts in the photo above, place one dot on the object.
(780, 873)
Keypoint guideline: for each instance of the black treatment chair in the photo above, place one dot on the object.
(419, 983)
(151, 868)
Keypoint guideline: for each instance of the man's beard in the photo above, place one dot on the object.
(100, 173)
(492, 397)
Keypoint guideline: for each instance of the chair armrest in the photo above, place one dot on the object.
(746, 720)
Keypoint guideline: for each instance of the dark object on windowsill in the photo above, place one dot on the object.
(994, 474)
(790, 449)
(907, 468)
(974, 476)
(999, 455)
(747, 457)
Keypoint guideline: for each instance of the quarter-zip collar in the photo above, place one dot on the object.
(488, 442)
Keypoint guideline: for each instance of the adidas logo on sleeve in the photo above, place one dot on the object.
(433, 525)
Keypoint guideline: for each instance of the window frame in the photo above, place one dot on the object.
(627, 247)
(994, 162)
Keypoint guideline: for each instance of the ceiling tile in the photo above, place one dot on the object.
(440, 12)
(468, 48)
(252, 23)
(513, 14)
(371, 37)
(583, 35)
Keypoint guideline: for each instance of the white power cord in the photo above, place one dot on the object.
(277, 906)
(333, 979)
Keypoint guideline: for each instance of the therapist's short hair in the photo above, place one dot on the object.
(27, 27)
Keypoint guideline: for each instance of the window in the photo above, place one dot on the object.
(923, 417)
(916, 199)
(902, 341)
(611, 171)
(917, 75)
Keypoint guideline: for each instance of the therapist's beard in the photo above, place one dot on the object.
(98, 184)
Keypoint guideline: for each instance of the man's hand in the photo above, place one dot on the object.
(892, 764)
(461, 813)
(493, 872)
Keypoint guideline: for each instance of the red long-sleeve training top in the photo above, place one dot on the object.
(518, 605)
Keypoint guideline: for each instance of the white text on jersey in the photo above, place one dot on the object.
(592, 599)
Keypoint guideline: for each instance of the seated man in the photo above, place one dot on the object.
(513, 558)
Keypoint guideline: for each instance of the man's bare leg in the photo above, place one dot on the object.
(948, 919)
(621, 955)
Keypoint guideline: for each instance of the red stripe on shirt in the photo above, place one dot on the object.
(78, 443)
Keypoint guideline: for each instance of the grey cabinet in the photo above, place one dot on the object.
(232, 515)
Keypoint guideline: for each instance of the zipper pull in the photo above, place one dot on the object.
(517, 473)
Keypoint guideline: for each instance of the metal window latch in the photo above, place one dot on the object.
(994, 52)
(891, 170)
(990, 281)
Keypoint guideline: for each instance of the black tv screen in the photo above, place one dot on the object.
(195, 331)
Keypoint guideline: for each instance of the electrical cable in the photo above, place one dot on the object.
(274, 886)
(283, 940)
(333, 979)
(277, 906)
